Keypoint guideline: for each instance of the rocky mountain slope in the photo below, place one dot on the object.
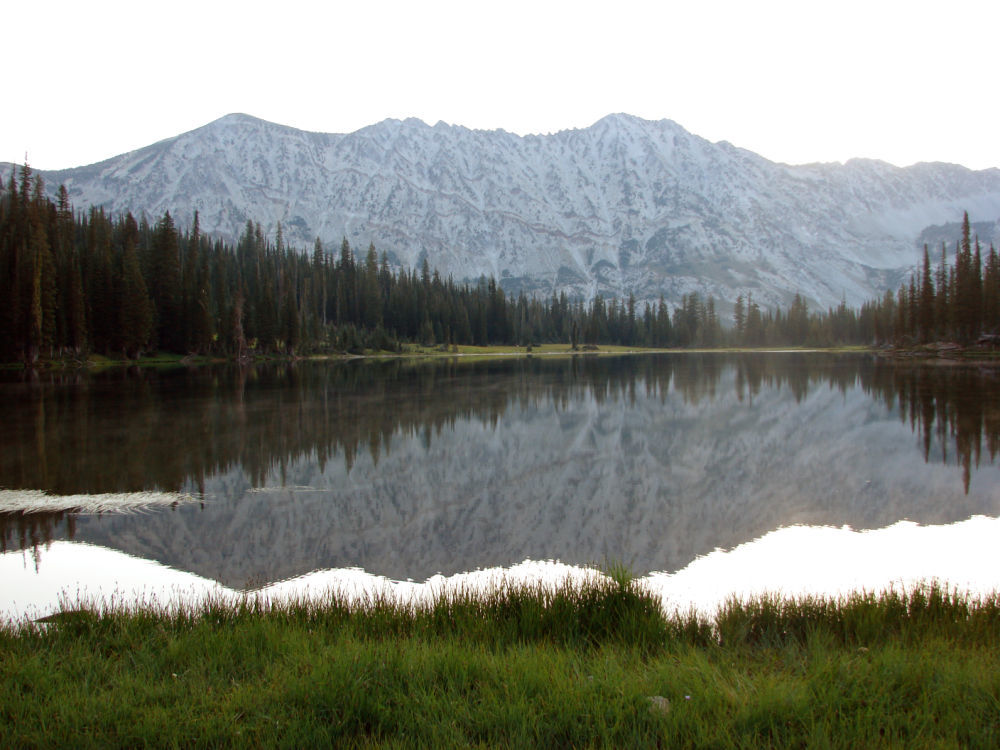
(624, 206)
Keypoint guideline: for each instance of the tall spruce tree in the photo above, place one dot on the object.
(991, 292)
(925, 304)
(136, 312)
(166, 266)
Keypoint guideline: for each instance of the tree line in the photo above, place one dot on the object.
(82, 282)
(960, 302)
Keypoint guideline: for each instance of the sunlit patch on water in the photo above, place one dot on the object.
(39, 501)
(356, 585)
(825, 561)
(793, 561)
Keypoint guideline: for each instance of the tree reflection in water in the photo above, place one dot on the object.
(127, 430)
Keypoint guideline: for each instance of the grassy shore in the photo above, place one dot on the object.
(931, 353)
(95, 362)
(594, 664)
(165, 359)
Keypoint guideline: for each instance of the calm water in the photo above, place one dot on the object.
(406, 470)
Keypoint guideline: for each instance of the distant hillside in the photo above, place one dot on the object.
(626, 205)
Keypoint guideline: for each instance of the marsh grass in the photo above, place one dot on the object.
(593, 663)
(861, 619)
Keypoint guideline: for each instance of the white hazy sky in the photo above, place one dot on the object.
(796, 81)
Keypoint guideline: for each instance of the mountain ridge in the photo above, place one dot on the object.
(625, 206)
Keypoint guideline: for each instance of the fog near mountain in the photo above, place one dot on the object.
(624, 206)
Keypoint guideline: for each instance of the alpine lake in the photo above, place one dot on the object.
(709, 475)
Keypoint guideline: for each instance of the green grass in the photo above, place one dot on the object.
(519, 666)
(163, 360)
(537, 349)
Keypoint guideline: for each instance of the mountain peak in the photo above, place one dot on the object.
(620, 118)
(238, 119)
(625, 120)
(626, 206)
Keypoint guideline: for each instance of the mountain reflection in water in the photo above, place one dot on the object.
(409, 469)
(828, 562)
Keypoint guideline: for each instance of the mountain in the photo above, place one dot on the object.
(624, 206)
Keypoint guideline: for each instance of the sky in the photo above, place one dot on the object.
(797, 82)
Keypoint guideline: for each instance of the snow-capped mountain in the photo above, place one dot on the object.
(626, 205)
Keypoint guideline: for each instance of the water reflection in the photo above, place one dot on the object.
(169, 430)
(828, 562)
(408, 469)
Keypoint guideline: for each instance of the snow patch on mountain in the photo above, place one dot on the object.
(626, 206)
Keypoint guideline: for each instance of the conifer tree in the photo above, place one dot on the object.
(371, 294)
(63, 257)
(739, 318)
(165, 263)
(320, 286)
(189, 279)
(76, 316)
(976, 293)
(925, 304)
(942, 304)
(136, 313)
(45, 288)
(798, 320)
(100, 283)
(664, 331)
(266, 316)
(753, 333)
(289, 320)
(991, 292)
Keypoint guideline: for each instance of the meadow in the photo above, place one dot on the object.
(593, 663)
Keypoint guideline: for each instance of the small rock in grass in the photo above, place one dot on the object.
(659, 704)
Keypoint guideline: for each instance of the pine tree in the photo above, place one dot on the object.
(976, 293)
(21, 270)
(899, 324)
(136, 313)
(45, 271)
(289, 320)
(925, 304)
(76, 316)
(710, 324)
(371, 294)
(739, 318)
(166, 267)
(320, 281)
(664, 330)
(189, 280)
(798, 321)
(344, 287)
(967, 292)
(63, 256)
(99, 283)
(266, 316)
(755, 323)
(942, 304)
(991, 292)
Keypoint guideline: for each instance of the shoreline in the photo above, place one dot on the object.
(99, 362)
(940, 352)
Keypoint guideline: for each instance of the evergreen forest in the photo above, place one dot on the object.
(80, 282)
